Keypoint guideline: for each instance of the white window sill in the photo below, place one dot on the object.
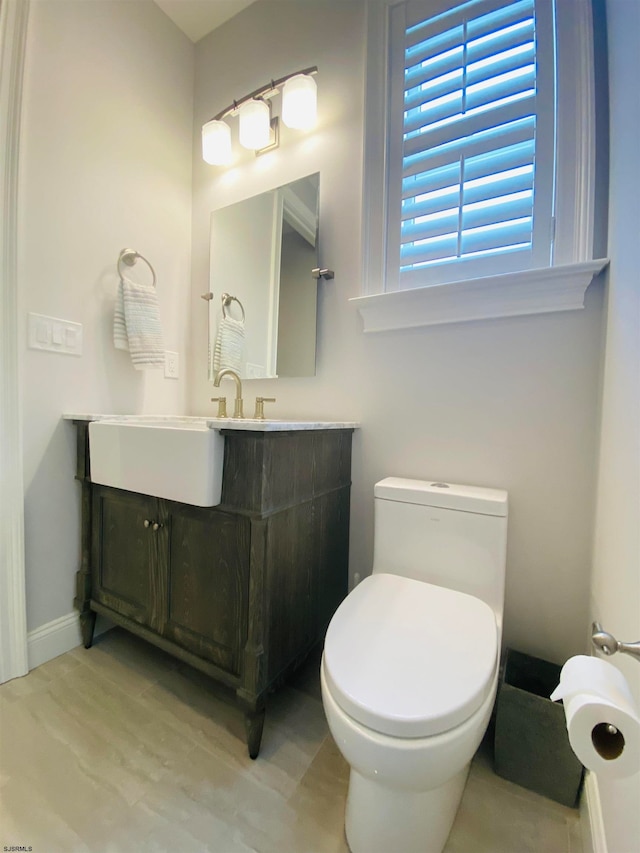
(538, 291)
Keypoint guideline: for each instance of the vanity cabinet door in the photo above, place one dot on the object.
(126, 570)
(208, 584)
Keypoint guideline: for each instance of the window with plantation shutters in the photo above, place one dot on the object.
(471, 141)
(480, 167)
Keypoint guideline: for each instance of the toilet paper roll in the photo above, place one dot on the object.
(602, 719)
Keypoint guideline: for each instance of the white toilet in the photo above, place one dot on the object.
(410, 664)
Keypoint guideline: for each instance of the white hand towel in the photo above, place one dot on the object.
(229, 345)
(137, 326)
(120, 340)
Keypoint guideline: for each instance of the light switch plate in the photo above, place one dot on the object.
(171, 365)
(54, 335)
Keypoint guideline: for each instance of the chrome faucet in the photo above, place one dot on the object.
(226, 371)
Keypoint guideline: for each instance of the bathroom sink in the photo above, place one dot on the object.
(175, 458)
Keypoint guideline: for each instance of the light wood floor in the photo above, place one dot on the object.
(121, 749)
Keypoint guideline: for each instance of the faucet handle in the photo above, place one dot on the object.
(222, 406)
(260, 401)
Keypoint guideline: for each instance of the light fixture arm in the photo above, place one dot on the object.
(267, 90)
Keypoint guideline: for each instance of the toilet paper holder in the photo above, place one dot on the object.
(608, 645)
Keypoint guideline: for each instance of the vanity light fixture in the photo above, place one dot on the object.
(300, 102)
(254, 124)
(216, 143)
(257, 130)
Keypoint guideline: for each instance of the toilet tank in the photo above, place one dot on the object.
(450, 535)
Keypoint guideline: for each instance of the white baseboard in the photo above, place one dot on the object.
(591, 821)
(53, 639)
(57, 637)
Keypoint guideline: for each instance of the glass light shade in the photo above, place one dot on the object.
(300, 102)
(216, 143)
(254, 125)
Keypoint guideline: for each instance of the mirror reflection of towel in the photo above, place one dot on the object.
(229, 345)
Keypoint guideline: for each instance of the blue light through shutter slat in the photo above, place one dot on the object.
(482, 142)
(469, 134)
(442, 63)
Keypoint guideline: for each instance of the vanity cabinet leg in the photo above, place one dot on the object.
(87, 626)
(254, 723)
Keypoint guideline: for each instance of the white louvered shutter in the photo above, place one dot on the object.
(472, 153)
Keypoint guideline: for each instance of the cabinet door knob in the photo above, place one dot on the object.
(146, 522)
(157, 526)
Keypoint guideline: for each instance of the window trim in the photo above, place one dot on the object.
(553, 288)
(538, 291)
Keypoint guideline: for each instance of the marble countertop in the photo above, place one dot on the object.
(267, 425)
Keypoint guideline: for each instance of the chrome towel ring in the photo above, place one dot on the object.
(129, 257)
(226, 299)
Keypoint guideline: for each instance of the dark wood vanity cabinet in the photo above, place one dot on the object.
(179, 570)
(242, 591)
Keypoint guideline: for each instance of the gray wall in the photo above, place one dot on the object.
(510, 403)
(615, 586)
(105, 163)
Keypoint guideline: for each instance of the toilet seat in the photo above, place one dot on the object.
(408, 658)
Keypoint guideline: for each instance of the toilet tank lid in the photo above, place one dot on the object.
(446, 495)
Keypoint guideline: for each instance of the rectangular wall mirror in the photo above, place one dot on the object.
(263, 296)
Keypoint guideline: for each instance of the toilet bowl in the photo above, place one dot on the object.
(403, 793)
(410, 666)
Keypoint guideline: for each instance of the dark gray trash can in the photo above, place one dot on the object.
(531, 742)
